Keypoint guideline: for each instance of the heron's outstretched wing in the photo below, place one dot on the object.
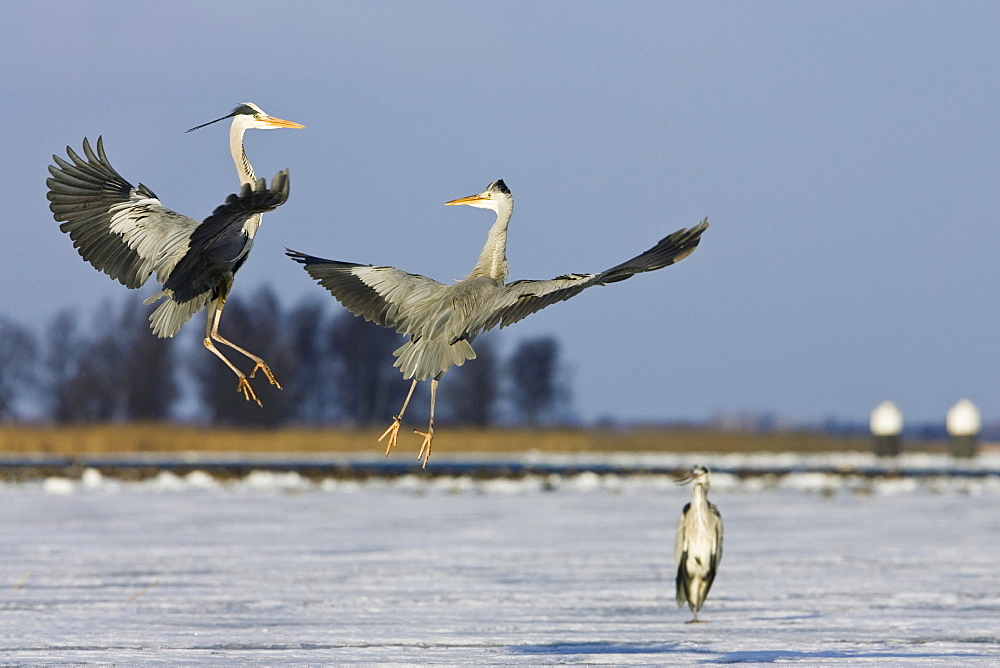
(387, 296)
(220, 244)
(120, 229)
(522, 298)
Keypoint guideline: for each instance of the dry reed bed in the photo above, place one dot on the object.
(149, 438)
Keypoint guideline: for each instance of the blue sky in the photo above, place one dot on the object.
(846, 154)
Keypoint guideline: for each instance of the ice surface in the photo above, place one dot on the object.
(818, 569)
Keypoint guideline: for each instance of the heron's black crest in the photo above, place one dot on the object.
(244, 109)
(498, 186)
(241, 110)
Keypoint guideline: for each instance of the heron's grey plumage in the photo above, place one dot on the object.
(125, 231)
(698, 547)
(208, 279)
(441, 320)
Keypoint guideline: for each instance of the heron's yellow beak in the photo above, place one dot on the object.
(281, 123)
(471, 199)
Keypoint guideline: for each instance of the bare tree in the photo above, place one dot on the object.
(333, 369)
(97, 390)
(368, 389)
(63, 344)
(148, 371)
(254, 324)
(536, 389)
(121, 372)
(472, 391)
(17, 360)
(312, 384)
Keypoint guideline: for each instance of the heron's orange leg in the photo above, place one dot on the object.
(258, 362)
(243, 384)
(212, 332)
(425, 447)
(393, 429)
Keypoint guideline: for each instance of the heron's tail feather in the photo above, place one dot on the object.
(169, 316)
(423, 358)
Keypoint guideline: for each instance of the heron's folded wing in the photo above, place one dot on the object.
(221, 242)
(252, 199)
(120, 229)
(387, 296)
(680, 558)
(680, 541)
(522, 298)
(717, 520)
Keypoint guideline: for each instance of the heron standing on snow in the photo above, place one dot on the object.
(125, 231)
(443, 320)
(698, 549)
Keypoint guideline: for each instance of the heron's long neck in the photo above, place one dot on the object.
(699, 497)
(493, 260)
(243, 168)
(245, 171)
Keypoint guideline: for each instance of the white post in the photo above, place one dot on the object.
(886, 425)
(964, 425)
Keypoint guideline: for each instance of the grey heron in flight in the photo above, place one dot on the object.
(443, 320)
(698, 549)
(125, 231)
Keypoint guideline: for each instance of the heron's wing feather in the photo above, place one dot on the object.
(253, 199)
(387, 296)
(522, 298)
(220, 244)
(680, 558)
(121, 229)
(717, 521)
(680, 544)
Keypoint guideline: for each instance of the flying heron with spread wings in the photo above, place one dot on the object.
(698, 547)
(443, 320)
(124, 231)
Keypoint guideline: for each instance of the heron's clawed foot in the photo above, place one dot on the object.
(425, 447)
(392, 432)
(248, 393)
(267, 372)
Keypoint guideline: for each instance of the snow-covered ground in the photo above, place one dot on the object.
(275, 569)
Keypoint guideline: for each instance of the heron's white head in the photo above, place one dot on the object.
(698, 475)
(495, 197)
(249, 116)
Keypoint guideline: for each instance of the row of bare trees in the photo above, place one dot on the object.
(335, 369)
